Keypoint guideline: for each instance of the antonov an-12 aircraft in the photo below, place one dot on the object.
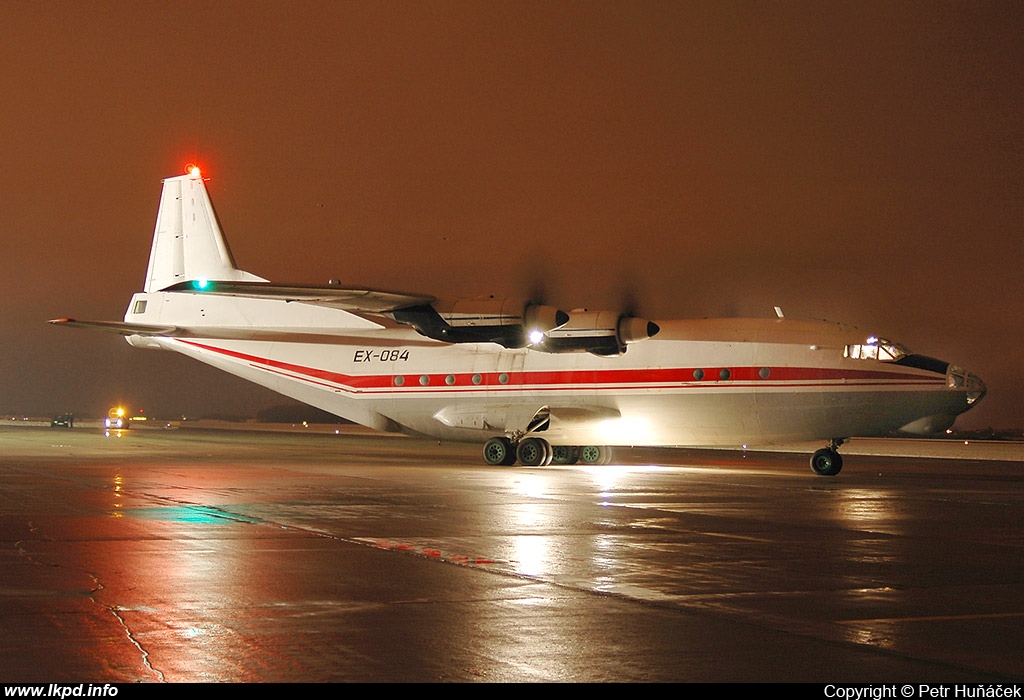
(531, 382)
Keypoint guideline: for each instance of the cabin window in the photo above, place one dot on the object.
(450, 379)
(424, 379)
(764, 373)
(503, 378)
(140, 307)
(399, 380)
(477, 379)
(698, 374)
(724, 374)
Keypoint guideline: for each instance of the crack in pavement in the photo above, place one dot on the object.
(115, 610)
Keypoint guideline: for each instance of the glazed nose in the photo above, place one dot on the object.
(975, 389)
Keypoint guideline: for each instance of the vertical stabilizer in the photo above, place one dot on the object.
(188, 243)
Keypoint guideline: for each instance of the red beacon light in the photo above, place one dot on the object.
(193, 171)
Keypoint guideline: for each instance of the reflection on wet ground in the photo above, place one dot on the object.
(233, 556)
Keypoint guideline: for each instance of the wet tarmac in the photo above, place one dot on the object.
(193, 555)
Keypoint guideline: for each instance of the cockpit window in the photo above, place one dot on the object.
(876, 349)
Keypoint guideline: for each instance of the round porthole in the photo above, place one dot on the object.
(450, 379)
(503, 378)
(424, 380)
(399, 380)
(764, 373)
(698, 374)
(477, 379)
(724, 374)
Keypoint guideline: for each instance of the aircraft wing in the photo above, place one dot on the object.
(340, 336)
(508, 322)
(119, 327)
(372, 301)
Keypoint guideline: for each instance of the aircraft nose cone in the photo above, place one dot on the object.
(975, 389)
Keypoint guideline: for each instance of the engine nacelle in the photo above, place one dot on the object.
(597, 332)
(514, 323)
(508, 322)
(489, 312)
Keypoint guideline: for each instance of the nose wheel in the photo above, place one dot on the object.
(827, 461)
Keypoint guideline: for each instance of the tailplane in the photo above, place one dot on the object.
(188, 243)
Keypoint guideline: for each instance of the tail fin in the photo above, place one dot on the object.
(188, 243)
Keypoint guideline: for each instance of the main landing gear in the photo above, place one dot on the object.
(827, 461)
(537, 452)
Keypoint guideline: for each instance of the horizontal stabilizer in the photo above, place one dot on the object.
(359, 300)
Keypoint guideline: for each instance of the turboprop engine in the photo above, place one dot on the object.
(597, 332)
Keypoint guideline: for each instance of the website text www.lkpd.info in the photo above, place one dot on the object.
(61, 690)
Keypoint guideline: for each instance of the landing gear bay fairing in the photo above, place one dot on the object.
(533, 383)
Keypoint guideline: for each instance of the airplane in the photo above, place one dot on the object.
(533, 383)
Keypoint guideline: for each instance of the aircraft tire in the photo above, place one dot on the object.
(565, 454)
(498, 452)
(826, 462)
(595, 454)
(533, 452)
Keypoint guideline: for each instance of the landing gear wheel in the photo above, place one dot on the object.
(565, 454)
(826, 462)
(498, 452)
(593, 454)
(533, 452)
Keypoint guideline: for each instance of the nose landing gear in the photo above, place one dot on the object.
(827, 461)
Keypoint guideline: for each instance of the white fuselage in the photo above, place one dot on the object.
(699, 382)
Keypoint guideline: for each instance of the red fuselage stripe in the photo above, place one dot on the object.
(579, 378)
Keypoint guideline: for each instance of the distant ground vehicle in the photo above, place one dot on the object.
(117, 419)
(64, 420)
